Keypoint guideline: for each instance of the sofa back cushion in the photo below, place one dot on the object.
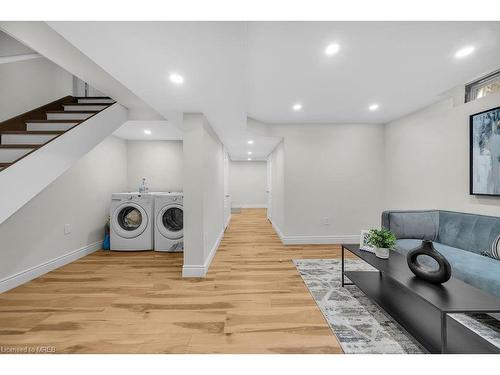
(474, 233)
(420, 225)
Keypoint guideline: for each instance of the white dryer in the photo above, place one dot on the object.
(169, 222)
(131, 221)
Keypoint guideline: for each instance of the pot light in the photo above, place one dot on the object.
(297, 107)
(147, 132)
(249, 159)
(250, 142)
(463, 52)
(332, 49)
(249, 152)
(176, 78)
(373, 107)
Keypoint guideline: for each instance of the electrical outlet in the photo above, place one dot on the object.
(326, 221)
(67, 228)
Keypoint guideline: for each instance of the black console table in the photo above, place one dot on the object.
(420, 307)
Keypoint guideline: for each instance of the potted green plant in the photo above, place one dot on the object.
(383, 240)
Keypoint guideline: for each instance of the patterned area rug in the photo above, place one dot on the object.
(360, 325)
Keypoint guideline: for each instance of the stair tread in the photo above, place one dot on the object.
(22, 146)
(5, 165)
(86, 104)
(92, 97)
(71, 112)
(32, 132)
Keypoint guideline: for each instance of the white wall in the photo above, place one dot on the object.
(248, 183)
(80, 197)
(427, 159)
(333, 172)
(29, 84)
(11, 47)
(213, 191)
(278, 187)
(203, 184)
(159, 161)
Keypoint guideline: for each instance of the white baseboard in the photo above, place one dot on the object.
(320, 240)
(193, 271)
(34, 272)
(315, 240)
(200, 270)
(227, 222)
(244, 205)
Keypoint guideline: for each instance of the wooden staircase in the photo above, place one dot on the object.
(29, 131)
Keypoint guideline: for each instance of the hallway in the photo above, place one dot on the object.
(252, 301)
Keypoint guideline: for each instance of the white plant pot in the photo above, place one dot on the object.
(382, 252)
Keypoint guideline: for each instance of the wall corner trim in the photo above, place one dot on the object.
(278, 231)
(200, 270)
(226, 224)
(22, 277)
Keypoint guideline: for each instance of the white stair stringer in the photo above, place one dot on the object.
(26, 178)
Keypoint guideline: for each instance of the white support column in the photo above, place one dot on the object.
(203, 184)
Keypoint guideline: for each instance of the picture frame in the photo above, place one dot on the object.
(363, 241)
(484, 153)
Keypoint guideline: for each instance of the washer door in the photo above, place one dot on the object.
(170, 222)
(129, 220)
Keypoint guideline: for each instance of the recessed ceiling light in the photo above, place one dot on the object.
(249, 152)
(176, 78)
(297, 107)
(250, 142)
(463, 52)
(332, 49)
(249, 159)
(373, 107)
(147, 132)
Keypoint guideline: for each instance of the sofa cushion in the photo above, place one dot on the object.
(414, 224)
(471, 268)
(475, 233)
(474, 269)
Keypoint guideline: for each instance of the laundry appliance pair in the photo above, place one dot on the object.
(151, 221)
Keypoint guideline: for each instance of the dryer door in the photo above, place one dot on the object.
(129, 220)
(170, 222)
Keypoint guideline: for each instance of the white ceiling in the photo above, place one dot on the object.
(235, 70)
(159, 130)
(402, 66)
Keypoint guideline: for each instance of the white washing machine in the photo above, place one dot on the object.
(169, 222)
(131, 221)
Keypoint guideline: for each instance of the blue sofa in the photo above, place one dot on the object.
(462, 238)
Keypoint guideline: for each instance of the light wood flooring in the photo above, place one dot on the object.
(252, 301)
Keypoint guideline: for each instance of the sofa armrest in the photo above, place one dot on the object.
(422, 225)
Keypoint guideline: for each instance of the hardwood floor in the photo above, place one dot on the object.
(252, 301)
